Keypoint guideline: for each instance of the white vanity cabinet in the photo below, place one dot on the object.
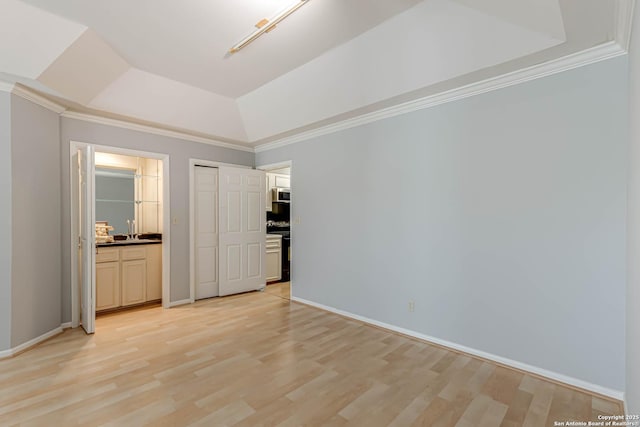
(107, 285)
(128, 275)
(134, 275)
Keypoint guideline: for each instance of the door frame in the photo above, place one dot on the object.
(292, 220)
(166, 221)
(192, 215)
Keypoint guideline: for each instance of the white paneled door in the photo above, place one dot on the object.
(242, 230)
(87, 239)
(206, 235)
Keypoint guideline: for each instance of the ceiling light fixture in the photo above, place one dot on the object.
(266, 25)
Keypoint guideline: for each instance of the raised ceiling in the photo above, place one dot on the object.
(165, 63)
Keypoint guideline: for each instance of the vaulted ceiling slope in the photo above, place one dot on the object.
(166, 63)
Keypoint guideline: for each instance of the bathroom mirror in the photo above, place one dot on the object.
(129, 188)
(115, 197)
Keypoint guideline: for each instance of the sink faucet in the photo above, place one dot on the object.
(131, 228)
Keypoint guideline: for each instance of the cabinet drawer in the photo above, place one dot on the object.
(273, 242)
(270, 244)
(139, 252)
(107, 255)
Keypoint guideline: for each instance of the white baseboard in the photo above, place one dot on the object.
(181, 302)
(24, 346)
(574, 382)
(66, 325)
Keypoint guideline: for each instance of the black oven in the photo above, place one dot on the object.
(286, 257)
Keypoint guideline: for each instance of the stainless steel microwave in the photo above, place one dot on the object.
(279, 194)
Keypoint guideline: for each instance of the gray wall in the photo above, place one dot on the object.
(5, 221)
(502, 216)
(633, 217)
(35, 202)
(179, 151)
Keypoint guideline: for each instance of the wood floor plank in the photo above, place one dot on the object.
(260, 360)
(518, 409)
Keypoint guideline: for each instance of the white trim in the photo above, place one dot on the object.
(275, 166)
(192, 215)
(6, 87)
(624, 22)
(192, 232)
(589, 56)
(37, 99)
(166, 231)
(574, 382)
(74, 235)
(25, 346)
(153, 130)
(181, 302)
(65, 325)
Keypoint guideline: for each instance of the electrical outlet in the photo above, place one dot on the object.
(412, 307)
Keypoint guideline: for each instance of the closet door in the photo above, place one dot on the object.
(206, 232)
(242, 230)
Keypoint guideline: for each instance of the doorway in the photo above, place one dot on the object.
(120, 230)
(280, 217)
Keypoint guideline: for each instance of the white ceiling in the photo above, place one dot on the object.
(188, 41)
(165, 63)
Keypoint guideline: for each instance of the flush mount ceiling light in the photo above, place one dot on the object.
(266, 25)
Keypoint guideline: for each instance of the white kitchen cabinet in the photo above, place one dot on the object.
(282, 181)
(107, 285)
(273, 180)
(273, 259)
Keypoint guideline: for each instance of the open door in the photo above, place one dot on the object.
(87, 239)
(242, 230)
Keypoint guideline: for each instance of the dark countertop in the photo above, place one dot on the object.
(130, 242)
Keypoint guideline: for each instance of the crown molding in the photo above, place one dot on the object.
(153, 130)
(37, 99)
(6, 87)
(29, 95)
(624, 22)
(589, 56)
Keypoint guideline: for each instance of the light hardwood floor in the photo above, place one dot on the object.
(258, 359)
(280, 289)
